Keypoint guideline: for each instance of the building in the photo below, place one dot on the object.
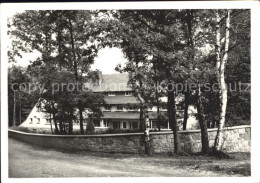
(120, 112)
(37, 119)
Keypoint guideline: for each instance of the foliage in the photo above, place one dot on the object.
(20, 91)
(90, 127)
(162, 46)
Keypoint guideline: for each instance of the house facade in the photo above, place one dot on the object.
(37, 118)
(121, 110)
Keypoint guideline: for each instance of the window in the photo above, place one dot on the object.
(105, 123)
(124, 124)
(107, 108)
(111, 94)
(38, 122)
(48, 121)
(128, 93)
(119, 108)
(31, 120)
(134, 125)
(132, 108)
(164, 107)
(116, 125)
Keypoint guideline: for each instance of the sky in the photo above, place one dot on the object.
(106, 61)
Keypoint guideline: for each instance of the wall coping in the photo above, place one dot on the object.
(215, 129)
(123, 134)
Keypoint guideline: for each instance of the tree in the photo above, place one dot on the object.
(20, 95)
(156, 34)
(198, 76)
(64, 46)
(91, 102)
(220, 71)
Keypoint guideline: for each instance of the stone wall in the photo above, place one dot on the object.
(236, 139)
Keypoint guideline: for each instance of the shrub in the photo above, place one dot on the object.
(22, 129)
(218, 154)
(90, 127)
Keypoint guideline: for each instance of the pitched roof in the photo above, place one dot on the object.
(120, 99)
(112, 82)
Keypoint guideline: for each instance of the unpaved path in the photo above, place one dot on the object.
(28, 161)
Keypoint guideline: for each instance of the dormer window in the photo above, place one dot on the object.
(128, 93)
(111, 94)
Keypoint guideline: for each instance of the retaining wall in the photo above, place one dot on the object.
(236, 139)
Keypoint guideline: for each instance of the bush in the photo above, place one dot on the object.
(114, 131)
(22, 129)
(90, 127)
(218, 154)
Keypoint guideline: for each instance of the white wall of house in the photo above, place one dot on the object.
(39, 119)
(192, 122)
(36, 119)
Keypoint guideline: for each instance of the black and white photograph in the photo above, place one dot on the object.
(127, 92)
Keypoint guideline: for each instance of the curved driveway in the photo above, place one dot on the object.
(27, 161)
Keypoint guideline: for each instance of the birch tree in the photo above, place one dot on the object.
(220, 72)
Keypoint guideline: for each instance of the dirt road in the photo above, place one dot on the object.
(27, 161)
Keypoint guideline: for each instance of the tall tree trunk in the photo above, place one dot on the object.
(145, 121)
(75, 67)
(71, 122)
(189, 21)
(186, 107)
(61, 123)
(59, 38)
(20, 109)
(142, 109)
(14, 111)
(173, 119)
(203, 124)
(51, 124)
(141, 116)
(148, 150)
(81, 120)
(157, 99)
(61, 127)
(221, 79)
(56, 131)
(158, 117)
(172, 112)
